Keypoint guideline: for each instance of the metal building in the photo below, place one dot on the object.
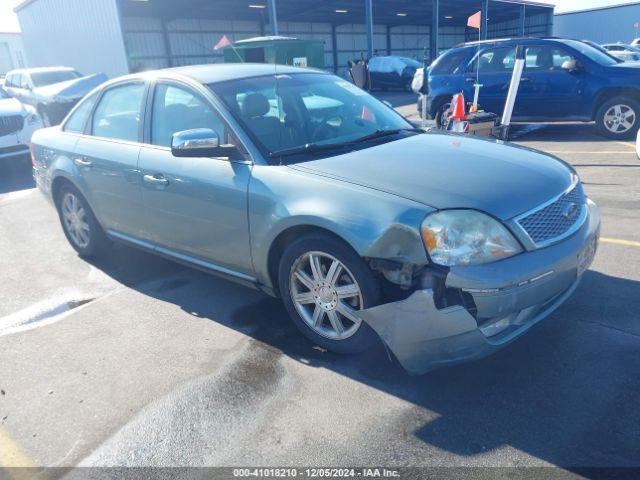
(119, 36)
(617, 23)
(11, 52)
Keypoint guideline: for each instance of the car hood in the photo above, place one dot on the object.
(449, 171)
(71, 89)
(631, 67)
(10, 106)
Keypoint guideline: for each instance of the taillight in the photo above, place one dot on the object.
(33, 156)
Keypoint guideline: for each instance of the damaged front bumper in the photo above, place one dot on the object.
(510, 296)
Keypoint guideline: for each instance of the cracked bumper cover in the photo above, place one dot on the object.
(511, 296)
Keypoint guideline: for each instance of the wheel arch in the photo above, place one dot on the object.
(288, 235)
(609, 93)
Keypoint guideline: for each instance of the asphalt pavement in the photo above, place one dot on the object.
(137, 361)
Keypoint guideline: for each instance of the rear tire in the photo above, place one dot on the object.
(320, 301)
(618, 118)
(79, 224)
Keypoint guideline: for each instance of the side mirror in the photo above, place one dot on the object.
(571, 66)
(200, 142)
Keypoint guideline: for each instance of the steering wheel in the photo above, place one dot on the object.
(324, 126)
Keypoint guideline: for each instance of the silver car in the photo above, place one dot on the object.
(298, 183)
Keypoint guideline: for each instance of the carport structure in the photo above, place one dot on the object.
(164, 33)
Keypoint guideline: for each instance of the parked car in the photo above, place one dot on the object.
(392, 72)
(304, 186)
(623, 52)
(53, 91)
(564, 80)
(17, 124)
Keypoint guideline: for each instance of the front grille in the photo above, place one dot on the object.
(11, 124)
(557, 219)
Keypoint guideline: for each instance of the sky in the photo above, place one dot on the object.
(9, 21)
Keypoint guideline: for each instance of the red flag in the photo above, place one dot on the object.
(367, 114)
(223, 42)
(474, 20)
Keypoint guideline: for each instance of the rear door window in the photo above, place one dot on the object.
(495, 60)
(118, 113)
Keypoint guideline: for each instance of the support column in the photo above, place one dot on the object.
(388, 39)
(167, 43)
(484, 30)
(334, 40)
(435, 24)
(523, 15)
(368, 6)
(273, 17)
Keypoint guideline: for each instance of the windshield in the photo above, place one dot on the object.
(4, 94)
(300, 111)
(592, 53)
(40, 79)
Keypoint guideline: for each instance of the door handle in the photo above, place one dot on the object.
(155, 180)
(83, 162)
(525, 79)
(469, 79)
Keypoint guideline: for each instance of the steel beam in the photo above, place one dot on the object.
(435, 28)
(484, 24)
(368, 6)
(273, 17)
(334, 40)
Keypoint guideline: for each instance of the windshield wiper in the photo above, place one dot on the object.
(306, 148)
(315, 147)
(385, 133)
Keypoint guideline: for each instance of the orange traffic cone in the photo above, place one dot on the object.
(458, 107)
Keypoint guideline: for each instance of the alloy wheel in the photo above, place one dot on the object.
(619, 118)
(75, 220)
(326, 295)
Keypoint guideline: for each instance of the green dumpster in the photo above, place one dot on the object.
(280, 50)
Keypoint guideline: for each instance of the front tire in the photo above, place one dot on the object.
(79, 224)
(323, 282)
(443, 116)
(618, 118)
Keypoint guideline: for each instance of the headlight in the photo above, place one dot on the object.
(466, 237)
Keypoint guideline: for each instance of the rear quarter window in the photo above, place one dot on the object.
(78, 119)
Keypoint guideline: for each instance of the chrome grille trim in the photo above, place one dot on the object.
(543, 225)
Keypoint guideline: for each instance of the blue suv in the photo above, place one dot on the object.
(563, 80)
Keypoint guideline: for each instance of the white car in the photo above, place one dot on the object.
(17, 124)
(626, 53)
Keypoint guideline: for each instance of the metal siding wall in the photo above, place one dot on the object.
(191, 40)
(601, 26)
(535, 26)
(11, 52)
(84, 34)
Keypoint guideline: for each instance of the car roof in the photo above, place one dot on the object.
(513, 41)
(221, 72)
(39, 70)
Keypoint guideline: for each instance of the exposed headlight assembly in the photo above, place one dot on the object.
(466, 237)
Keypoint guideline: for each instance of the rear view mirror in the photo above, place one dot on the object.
(200, 142)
